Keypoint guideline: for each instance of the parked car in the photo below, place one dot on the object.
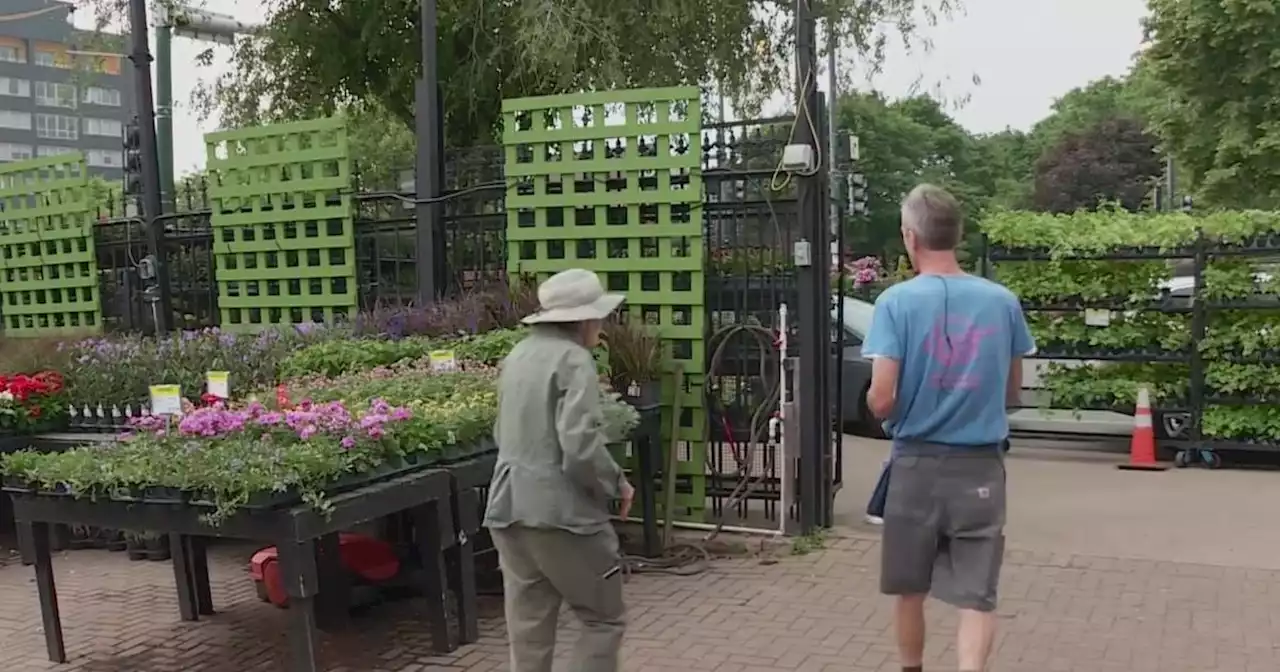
(855, 376)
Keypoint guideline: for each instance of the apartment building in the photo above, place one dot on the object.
(61, 89)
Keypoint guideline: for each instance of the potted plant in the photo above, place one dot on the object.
(157, 546)
(136, 545)
(635, 361)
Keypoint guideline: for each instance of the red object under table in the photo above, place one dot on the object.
(371, 559)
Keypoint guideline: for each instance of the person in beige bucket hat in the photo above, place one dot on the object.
(548, 509)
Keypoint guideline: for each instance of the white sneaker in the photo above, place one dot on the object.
(872, 520)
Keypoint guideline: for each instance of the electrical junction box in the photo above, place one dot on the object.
(797, 158)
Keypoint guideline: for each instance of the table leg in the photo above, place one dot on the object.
(333, 600)
(26, 544)
(49, 616)
(429, 532)
(182, 577)
(298, 569)
(462, 568)
(199, 557)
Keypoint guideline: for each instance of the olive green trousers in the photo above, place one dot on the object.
(543, 569)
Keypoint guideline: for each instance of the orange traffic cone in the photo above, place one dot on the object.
(1142, 447)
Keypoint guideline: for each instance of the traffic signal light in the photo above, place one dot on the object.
(858, 194)
(132, 158)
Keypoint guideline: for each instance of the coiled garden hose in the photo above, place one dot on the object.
(684, 558)
(767, 342)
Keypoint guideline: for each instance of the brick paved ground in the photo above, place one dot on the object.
(813, 613)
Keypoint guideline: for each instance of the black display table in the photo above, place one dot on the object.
(300, 534)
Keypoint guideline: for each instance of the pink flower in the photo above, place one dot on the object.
(376, 432)
(348, 442)
(401, 413)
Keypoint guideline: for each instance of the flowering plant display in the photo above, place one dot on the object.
(385, 418)
(225, 456)
(119, 369)
(32, 403)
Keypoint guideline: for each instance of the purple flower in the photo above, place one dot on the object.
(306, 432)
(348, 442)
(401, 413)
(376, 432)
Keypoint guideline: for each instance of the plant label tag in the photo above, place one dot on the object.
(443, 361)
(1094, 317)
(166, 400)
(218, 383)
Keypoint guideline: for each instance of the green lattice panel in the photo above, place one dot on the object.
(48, 268)
(611, 182)
(283, 222)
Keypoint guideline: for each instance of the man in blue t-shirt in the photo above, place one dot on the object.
(946, 350)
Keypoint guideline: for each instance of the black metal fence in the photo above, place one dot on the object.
(751, 222)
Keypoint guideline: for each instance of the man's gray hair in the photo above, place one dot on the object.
(935, 217)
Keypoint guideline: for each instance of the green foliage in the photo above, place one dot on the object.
(1114, 385)
(1062, 281)
(1240, 350)
(1085, 233)
(336, 357)
(314, 56)
(1216, 63)
(904, 143)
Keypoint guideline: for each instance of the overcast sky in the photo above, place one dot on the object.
(1024, 52)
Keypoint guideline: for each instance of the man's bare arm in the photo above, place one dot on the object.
(883, 393)
(1013, 393)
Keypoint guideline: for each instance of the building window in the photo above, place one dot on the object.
(12, 54)
(109, 128)
(53, 150)
(13, 152)
(57, 127)
(12, 86)
(17, 120)
(97, 95)
(52, 94)
(105, 158)
(52, 59)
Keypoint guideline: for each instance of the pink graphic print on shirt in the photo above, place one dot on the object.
(955, 356)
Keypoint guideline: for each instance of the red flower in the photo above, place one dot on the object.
(33, 412)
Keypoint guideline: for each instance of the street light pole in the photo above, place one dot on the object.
(428, 172)
(159, 273)
(195, 24)
(164, 113)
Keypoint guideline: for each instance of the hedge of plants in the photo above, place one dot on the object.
(1096, 287)
(312, 410)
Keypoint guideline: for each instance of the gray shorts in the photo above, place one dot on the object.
(944, 526)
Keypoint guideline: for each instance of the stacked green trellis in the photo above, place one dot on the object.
(611, 182)
(283, 220)
(48, 268)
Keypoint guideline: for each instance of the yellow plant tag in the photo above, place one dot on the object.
(218, 383)
(443, 361)
(166, 399)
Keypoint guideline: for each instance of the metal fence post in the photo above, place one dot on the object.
(813, 279)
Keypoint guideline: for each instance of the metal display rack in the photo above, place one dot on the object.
(1179, 419)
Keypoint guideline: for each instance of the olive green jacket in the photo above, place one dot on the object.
(553, 469)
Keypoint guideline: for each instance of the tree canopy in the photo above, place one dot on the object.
(1114, 161)
(314, 56)
(1217, 62)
